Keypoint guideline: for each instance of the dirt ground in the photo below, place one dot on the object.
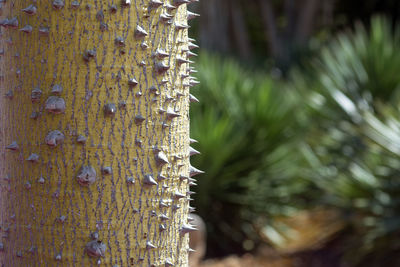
(248, 261)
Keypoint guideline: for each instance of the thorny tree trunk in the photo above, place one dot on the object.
(94, 133)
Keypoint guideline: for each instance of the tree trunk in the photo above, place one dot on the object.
(94, 133)
(214, 25)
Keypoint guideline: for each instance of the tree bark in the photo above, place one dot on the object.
(306, 21)
(94, 133)
(240, 32)
(270, 27)
(214, 25)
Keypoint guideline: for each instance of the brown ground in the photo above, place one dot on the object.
(312, 242)
(247, 261)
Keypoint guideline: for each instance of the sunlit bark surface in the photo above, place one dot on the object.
(94, 159)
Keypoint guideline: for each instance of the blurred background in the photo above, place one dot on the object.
(298, 127)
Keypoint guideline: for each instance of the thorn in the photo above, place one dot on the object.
(171, 113)
(164, 125)
(179, 94)
(192, 46)
(57, 89)
(191, 54)
(113, 8)
(110, 109)
(191, 15)
(95, 248)
(75, 4)
(163, 204)
(9, 94)
(33, 157)
(187, 228)
(192, 70)
(132, 82)
(180, 2)
(119, 41)
(193, 171)
(164, 217)
(58, 4)
(168, 98)
(125, 3)
(161, 158)
(179, 26)
(161, 54)
(44, 30)
(193, 99)
(54, 138)
(140, 32)
(149, 245)
(36, 94)
(130, 180)
(86, 176)
(100, 16)
(166, 18)
(139, 119)
(161, 68)
(161, 177)
(106, 170)
(168, 262)
(28, 185)
(62, 219)
(169, 7)
(153, 90)
(41, 180)
(30, 10)
(191, 209)
(179, 195)
(81, 139)
(155, 4)
(149, 180)
(193, 83)
(58, 257)
(181, 60)
(144, 45)
(193, 151)
(88, 54)
(13, 146)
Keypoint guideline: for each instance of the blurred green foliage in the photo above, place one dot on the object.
(353, 139)
(245, 127)
(330, 136)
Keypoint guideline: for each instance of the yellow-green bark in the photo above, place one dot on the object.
(47, 213)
